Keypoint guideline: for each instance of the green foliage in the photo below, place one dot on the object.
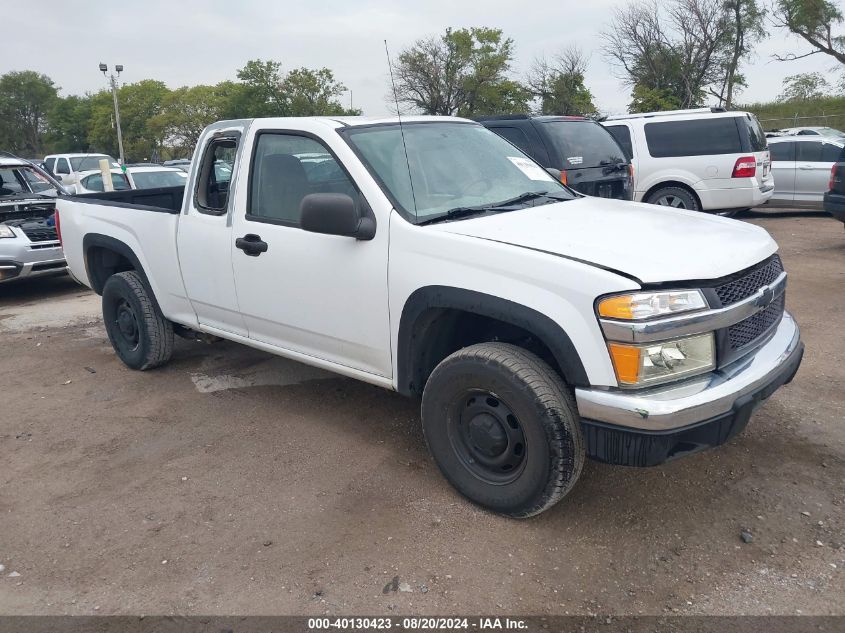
(155, 120)
(804, 87)
(828, 111)
(559, 85)
(463, 72)
(26, 97)
(645, 99)
(814, 22)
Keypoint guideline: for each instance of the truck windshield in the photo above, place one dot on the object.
(451, 166)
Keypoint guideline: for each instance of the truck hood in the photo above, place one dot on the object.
(643, 241)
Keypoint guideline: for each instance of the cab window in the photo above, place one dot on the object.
(215, 175)
(285, 169)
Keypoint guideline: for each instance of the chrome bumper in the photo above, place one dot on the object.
(698, 399)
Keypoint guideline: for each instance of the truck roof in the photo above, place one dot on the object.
(336, 122)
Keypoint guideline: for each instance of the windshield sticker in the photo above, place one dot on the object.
(531, 169)
(575, 160)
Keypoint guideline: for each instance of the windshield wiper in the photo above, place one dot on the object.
(463, 212)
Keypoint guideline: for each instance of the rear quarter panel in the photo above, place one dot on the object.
(151, 236)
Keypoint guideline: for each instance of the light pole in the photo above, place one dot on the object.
(113, 82)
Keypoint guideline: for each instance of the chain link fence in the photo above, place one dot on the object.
(824, 120)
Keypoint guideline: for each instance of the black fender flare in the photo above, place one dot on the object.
(433, 297)
(98, 281)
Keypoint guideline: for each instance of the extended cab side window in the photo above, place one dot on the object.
(50, 164)
(215, 175)
(285, 169)
(62, 167)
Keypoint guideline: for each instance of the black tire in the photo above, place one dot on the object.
(138, 331)
(479, 405)
(676, 197)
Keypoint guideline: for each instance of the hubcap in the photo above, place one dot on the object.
(487, 437)
(671, 201)
(127, 324)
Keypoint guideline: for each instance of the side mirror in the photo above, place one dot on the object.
(335, 214)
(71, 189)
(554, 173)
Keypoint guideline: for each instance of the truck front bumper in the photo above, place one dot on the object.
(649, 427)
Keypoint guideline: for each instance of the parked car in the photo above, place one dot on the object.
(67, 167)
(589, 159)
(153, 176)
(29, 245)
(91, 181)
(834, 198)
(812, 131)
(704, 159)
(801, 166)
(537, 326)
(180, 163)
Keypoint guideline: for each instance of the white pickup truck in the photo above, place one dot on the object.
(432, 257)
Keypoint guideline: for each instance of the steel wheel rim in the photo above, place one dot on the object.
(487, 437)
(127, 324)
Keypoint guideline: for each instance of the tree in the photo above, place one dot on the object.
(812, 21)
(140, 104)
(677, 48)
(559, 84)
(264, 91)
(314, 93)
(645, 99)
(68, 122)
(746, 28)
(186, 112)
(462, 72)
(25, 99)
(804, 87)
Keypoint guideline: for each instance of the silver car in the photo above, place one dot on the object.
(29, 244)
(801, 166)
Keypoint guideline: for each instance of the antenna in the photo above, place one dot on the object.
(401, 129)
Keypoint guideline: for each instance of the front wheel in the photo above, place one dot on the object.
(138, 331)
(503, 428)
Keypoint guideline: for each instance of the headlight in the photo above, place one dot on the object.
(6, 231)
(643, 365)
(646, 305)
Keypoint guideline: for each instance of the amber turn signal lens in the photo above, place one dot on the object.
(626, 362)
(618, 307)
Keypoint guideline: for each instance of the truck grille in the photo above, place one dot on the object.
(39, 232)
(742, 288)
(747, 331)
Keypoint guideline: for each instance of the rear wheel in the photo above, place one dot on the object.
(675, 197)
(503, 428)
(138, 331)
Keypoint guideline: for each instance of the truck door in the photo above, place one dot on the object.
(203, 238)
(323, 296)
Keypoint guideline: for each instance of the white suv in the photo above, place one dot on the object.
(704, 159)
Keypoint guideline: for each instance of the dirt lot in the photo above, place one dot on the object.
(234, 482)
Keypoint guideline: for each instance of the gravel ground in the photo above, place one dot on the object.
(234, 482)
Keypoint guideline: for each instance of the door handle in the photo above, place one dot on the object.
(805, 167)
(251, 244)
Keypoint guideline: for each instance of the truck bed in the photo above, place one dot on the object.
(166, 199)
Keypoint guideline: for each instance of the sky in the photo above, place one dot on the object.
(188, 42)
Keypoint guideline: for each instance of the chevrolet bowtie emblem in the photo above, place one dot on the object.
(767, 295)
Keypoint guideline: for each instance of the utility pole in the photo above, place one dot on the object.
(113, 82)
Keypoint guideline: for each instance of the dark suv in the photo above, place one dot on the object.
(588, 157)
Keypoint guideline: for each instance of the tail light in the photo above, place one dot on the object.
(745, 167)
(832, 177)
(563, 176)
(58, 225)
(631, 173)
